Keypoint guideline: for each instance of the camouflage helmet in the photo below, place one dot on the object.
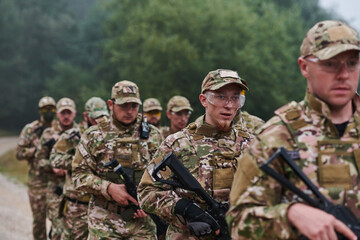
(151, 104)
(46, 101)
(217, 79)
(125, 92)
(65, 103)
(96, 107)
(327, 39)
(178, 103)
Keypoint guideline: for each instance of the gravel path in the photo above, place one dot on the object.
(15, 212)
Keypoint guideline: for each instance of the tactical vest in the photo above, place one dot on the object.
(217, 163)
(131, 152)
(328, 161)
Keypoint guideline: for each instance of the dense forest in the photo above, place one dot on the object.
(80, 48)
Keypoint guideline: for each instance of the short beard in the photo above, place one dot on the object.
(223, 126)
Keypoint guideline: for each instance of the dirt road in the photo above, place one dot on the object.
(15, 213)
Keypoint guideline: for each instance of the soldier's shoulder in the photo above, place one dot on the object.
(175, 137)
(93, 130)
(154, 129)
(30, 127)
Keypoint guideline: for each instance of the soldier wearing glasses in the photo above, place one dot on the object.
(111, 215)
(152, 111)
(321, 133)
(209, 148)
(178, 111)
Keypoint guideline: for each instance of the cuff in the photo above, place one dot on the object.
(104, 190)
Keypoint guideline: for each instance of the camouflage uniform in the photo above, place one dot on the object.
(37, 179)
(74, 206)
(55, 183)
(244, 120)
(259, 204)
(210, 155)
(100, 144)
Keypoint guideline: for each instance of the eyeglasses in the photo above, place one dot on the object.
(152, 114)
(221, 100)
(334, 65)
(44, 110)
(181, 113)
(128, 106)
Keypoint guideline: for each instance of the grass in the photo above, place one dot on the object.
(13, 168)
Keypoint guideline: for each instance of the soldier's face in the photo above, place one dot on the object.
(66, 117)
(178, 120)
(125, 113)
(336, 88)
(221, 115)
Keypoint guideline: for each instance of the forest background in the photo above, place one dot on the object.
(80, 48)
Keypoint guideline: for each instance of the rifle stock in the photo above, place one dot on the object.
(338, 211)
(185, 180)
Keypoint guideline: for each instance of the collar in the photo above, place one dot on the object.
(205, 129)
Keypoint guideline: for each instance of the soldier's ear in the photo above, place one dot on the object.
(203, 100)
(110, 104)
(304, 68)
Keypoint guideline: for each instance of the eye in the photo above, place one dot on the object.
(352, 62)
(235, 98)
(221, 97)
(329, 63)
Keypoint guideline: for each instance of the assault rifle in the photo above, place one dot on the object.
(185, 180)
(340, 212)
(161, 225)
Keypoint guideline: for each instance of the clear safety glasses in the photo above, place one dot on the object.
(221, 100)
(334, 65)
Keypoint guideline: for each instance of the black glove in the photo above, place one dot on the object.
(200, 223)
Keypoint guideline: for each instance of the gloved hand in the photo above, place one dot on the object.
(200, 223)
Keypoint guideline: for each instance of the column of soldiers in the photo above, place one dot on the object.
(222, 149)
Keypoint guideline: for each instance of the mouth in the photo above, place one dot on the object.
(226, 115)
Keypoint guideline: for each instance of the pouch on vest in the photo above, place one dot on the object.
(127, 152)
(223, 171)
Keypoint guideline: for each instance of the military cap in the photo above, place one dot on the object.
(96, 107)
(178, 103)
(151, 104)
(217, 79)
(327, 39)
(46, 101)
(65, 103)
(125, 92)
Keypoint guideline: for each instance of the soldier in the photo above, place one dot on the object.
(75, 203)
(152, 110)
(178, 111)
(132, 143)
(65, 112)
(322, 135)
(37, 180)
(209, 148)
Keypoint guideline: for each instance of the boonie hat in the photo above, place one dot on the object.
(46, 101)
(178, 103)
(65, 103)
(96, 107)
(125, 92)
(151, 104)
(327, 39)
(217, 79)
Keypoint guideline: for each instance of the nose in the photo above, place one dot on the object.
(343, 71)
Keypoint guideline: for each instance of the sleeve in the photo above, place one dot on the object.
(43, 150)
(25, 149)
(84, 170)
(256, 210)
(158, 198)
(60, 156)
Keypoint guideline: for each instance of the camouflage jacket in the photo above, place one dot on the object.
(244, 120)
(101, 143)
(211, 156)
(259, 204)
(47, 141)
(27, 143)
(62, 155)
(165, 131)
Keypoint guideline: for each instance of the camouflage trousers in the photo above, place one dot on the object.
(53, 202)
(175, 233)
(104, 224)
(37, 197)
(75, 221)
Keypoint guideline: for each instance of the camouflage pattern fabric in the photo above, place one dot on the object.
(37, 179)
(52, 199)
(211, 156)
(244, 120)
(97, 146)
(259, 204)
(74, 214)
(165, 131)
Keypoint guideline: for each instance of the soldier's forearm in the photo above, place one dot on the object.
(25, 153)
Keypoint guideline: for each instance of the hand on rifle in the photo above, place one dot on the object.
(317, 224)
(59, 171)
(121, 196)
(200, 223)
